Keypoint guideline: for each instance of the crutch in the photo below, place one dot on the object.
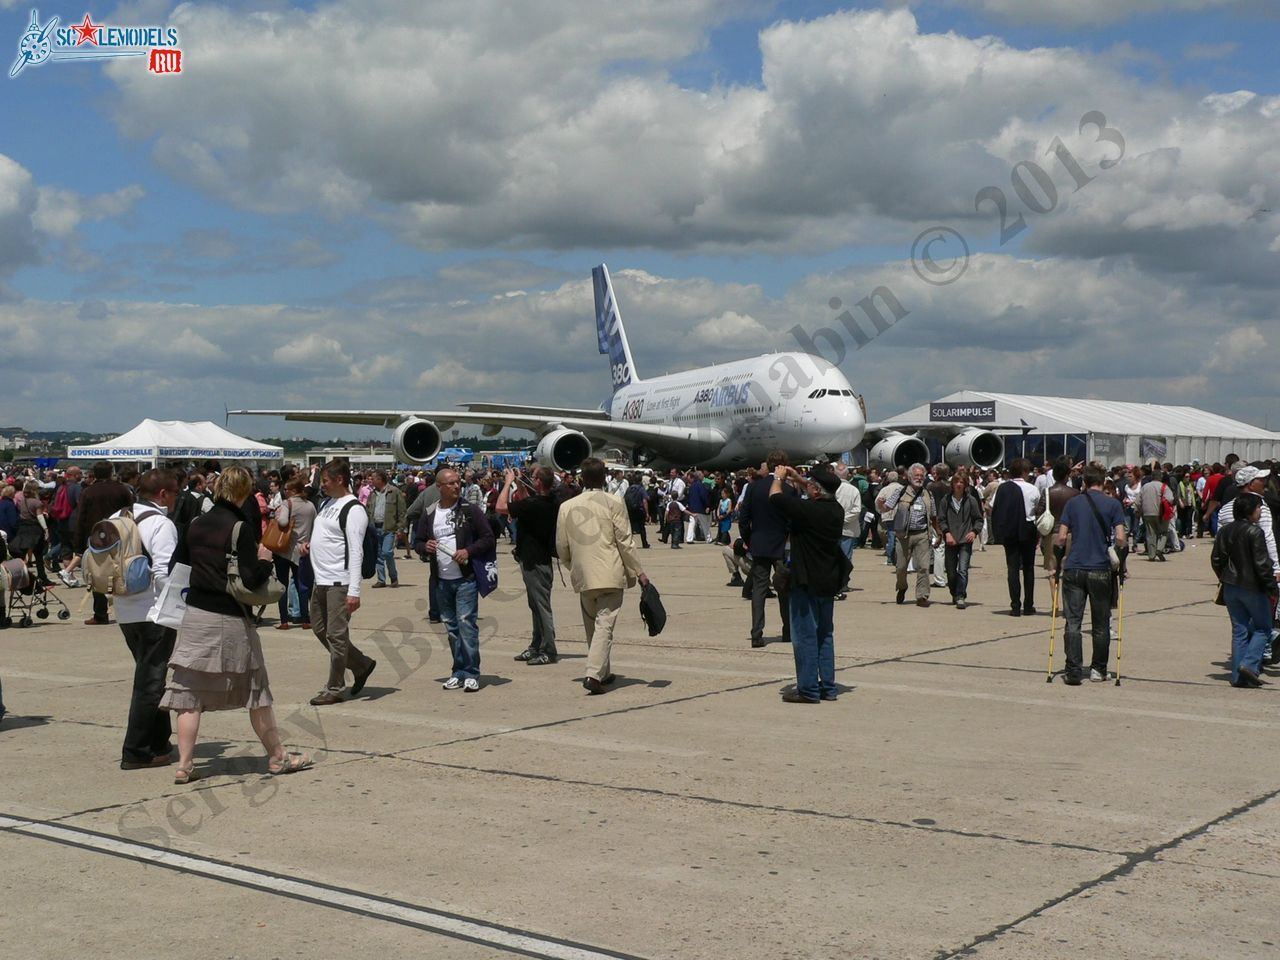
(1053, 624)
(1120, 633)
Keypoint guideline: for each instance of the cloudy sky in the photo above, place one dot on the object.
(392, 204)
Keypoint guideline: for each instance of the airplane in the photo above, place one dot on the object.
(723, 416)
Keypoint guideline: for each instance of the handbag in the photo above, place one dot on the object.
(171, 605)
(1044, 522)
(276, 538)
(268, 593)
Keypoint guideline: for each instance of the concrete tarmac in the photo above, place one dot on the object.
(950, 803)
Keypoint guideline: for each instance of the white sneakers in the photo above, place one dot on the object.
(1098, 677)
(469, 685)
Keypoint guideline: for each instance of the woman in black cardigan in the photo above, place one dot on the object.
(217, 660)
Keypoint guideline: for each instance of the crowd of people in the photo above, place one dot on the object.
(305, 540)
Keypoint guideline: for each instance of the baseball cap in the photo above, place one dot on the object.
(1247, 474)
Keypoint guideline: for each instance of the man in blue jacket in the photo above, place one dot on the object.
(699, 510)
(763, 528)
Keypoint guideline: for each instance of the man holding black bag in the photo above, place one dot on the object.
(1094, 525)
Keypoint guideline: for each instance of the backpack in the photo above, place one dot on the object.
(115, 561)
(369, 563)
(634, 498)
(62, 509)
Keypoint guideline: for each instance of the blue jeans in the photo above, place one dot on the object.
(957, 564)
(1250, 627)
(458, 606)
(813, 643)
(386, 555)
(846, 547)
(889, 537)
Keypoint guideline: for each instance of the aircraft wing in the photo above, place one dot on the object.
(938, 428)
(519, 408)
(594, 427)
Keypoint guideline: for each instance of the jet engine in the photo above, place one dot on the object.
(563, 449)
(976, 448)
(416, 441)
(897, 451)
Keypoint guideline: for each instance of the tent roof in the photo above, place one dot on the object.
(1068, 415)
(179, 439)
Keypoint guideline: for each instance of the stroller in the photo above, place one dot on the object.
(19, 583)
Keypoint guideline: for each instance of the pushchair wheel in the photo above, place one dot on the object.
(43, 613)
(64, 614)
(25, 621)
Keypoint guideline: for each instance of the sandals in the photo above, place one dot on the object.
(182, 777)
(292, 763)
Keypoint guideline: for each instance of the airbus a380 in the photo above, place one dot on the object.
(724, 416)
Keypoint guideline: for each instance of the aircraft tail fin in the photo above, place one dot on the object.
(609, 332)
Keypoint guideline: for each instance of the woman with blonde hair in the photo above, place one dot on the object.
(217, 660)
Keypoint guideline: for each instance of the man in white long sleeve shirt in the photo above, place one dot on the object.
(336, 558)
(146, 738)
(850, 499)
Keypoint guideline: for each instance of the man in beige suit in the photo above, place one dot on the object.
(593, 539)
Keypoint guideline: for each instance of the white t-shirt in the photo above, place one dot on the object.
(328, 545)
(446, 539)
(1030, 497)
(677, 488)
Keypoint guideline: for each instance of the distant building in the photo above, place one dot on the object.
(360, 458)
(1109, 431)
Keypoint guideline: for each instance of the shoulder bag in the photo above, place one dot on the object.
(276, 538)
(1113, 557)
(268, 593)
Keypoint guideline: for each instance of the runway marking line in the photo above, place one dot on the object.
(440, 922)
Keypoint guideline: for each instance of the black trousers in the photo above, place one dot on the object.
(147, 734)
(637, 527)
(761, 571)
(100, 607)
(1021, 557)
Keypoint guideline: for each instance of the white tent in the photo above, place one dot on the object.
(1109, 431)
(155, 440)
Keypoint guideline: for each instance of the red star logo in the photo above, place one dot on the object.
(88, 31)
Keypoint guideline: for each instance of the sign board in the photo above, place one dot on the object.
(974, 411)
(1107, 447)
(1153, 448)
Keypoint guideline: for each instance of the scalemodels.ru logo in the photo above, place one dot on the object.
(97, 41)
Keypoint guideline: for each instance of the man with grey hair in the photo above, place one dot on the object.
(914, 520)
(593, 539)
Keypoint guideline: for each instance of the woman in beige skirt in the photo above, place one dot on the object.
(217, 660)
